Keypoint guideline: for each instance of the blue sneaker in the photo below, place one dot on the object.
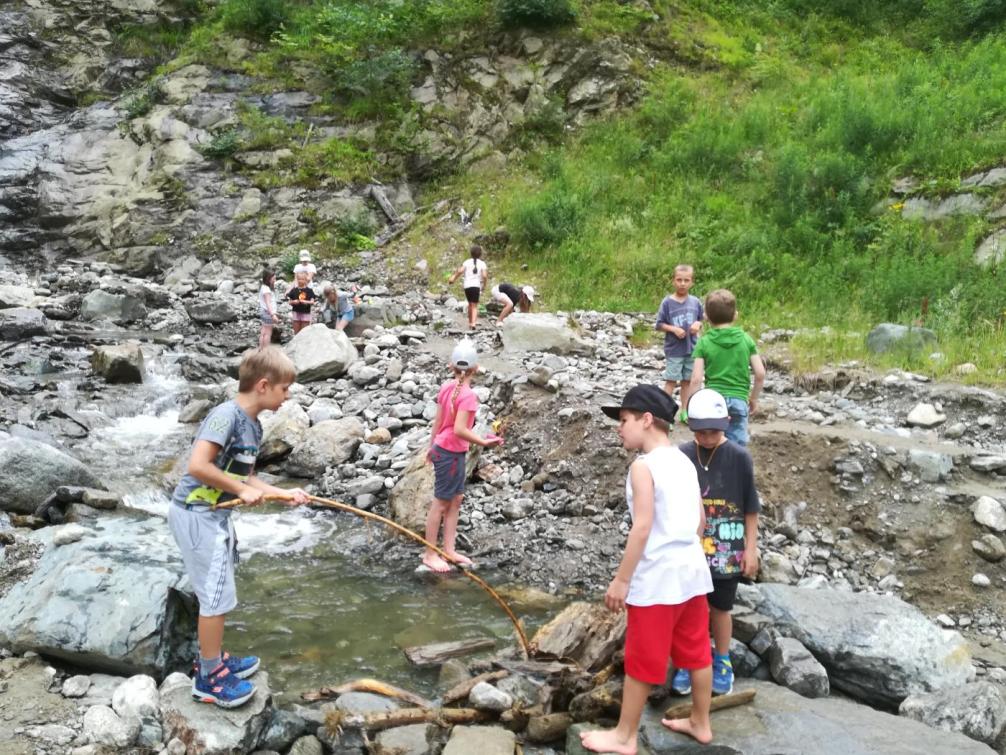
(240, 666)
(682, 682)
(222, 688)
(723, 675)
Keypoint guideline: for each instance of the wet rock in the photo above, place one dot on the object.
(541, 332)
(209, 730)
(195, 411)
(19, 323)
(794, 667)
(103, 726)
(121, 363)
(603, 701)
(284, 728)
(102, 305)
(987, 511)
(31, 471)
(319, 352)
(874, 647)
(485, 696)
(404, 740)
(326, 444)
(484, 740)
(888, 336)
(931, 466)
(989, 547)
(548, 728)
(925, 415)
(976, 710)
(211, 312)
(99, 604)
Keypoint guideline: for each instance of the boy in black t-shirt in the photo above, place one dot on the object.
(301, 298)
(726, 481)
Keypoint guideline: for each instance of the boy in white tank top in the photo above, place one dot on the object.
(663, 578)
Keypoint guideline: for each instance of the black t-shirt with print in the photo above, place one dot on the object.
(728, 493)
(301, 299)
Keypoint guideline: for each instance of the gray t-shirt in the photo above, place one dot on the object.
(239, 437)
(681, 315)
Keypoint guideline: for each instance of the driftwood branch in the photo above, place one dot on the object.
(461, 691)
(404, 717)
(684, 710)
(367, 685)
(437, 653)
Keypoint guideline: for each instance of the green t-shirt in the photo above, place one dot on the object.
(727, 353)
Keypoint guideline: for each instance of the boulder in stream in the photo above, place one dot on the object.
(328, 443)
(31, 471)
(119, 363)
(18, 323)
(102, 305)
(319, 352)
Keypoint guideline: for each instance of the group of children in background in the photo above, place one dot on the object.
(475, 277)
(337, 309)
(694, 507)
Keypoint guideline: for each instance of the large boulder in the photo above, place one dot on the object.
(541, 332)
(319, 352)
(209, 730)
(102, 305)
(375, 312)
(16, 296)
(211, 312)
(875, 647)
(977, 710)
(116, 600)
(119, 363)
(781, 721)
(889, 337)
(31, 471)
(18, 323)
(410, 499)
(327, 444)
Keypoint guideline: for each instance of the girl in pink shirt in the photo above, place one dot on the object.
(449, 441)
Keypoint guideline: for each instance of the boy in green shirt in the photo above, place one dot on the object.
(725, 357)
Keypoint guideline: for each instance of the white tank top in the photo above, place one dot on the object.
(673, 568)
(473, 273)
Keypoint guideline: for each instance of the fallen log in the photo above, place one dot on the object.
(732, 700)
(404, 717)
(438, 652)
(367, 685)
(461, 690)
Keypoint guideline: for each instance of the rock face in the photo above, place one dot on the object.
(874, 647)
(975, 710)
(541, 332)
(326, 444)
(209, 730)
(780, 721)
(17, 323)
(31, 471)
(112, 601)
(319, 352)
(121, 363)
(888, 336)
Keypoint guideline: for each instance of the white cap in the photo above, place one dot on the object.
(528, 291)
(305, 256)
(707, 410)
(465, 356)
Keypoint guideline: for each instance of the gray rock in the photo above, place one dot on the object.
(989, 547)
(323, 409)
(485, 696)
(742, 659)
(780, 721)
(355, 704)
(931, 466)
(541, 332)
(16, 296)
(484, 740)
(987, 511)
(319, 352)
(309, 745)
(362, 374)
(981, 580)
(992, 250)
(102, 726)
(211, 312)
(119, 363)
(186, 269)
(404, 740)
(137, 697)
(282, 430)
(875, 647)
(116, 600)
(101, 305)
(925, 415)
(68, 533)
(19, 323)
(195, 411)
(31, 471)
(976, 710)
(209, 730)
(284, 728)
(988, 463)
(794, 667)
(775, 567)
(410, 499)
(327, 444)
(76, 686)
(888, 336)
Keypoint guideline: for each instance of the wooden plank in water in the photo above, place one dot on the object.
(438, 652)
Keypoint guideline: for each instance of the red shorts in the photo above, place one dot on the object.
(656, 634)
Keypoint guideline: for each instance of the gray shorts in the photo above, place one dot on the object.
(678, 368)
(208, 545)
(448, 473)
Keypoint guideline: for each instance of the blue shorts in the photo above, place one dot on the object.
(347, 316)
(678, 369)
(448, 473)
(737, 408)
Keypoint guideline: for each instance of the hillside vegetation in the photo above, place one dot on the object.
(763, 151)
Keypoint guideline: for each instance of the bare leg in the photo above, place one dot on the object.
(451, 531)
(686, 391)
(211, 636)
(622, 739)
(341, 324)
(505, 313)
(723, 628)
(431, 558)
(265, 336)
(697, 725)
(670, 385)
(473, 314)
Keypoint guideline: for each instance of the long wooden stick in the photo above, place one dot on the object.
(684, 710)
(403, 717)
(367, 685)
(329, 503)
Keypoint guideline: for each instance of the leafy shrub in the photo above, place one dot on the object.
(534, 13)
(222, 145)
(960, 18)
(142, 100)
(256, 18)
(376, 80)
(547, 219)
(287, 263)
(356, 231)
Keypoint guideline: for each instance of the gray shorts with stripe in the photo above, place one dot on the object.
(208, 545)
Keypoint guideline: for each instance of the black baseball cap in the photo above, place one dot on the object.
(646, 398)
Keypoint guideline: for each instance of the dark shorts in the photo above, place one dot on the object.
(472, 294)
(448, 473)
(723, 594)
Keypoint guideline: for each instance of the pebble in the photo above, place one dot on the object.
(980, 580)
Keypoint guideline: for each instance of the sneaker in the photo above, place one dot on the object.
(682, 682)
(222, 688)
(683, 417)
(241, 666)
(723, 675)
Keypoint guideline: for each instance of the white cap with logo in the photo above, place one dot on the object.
(707, 410)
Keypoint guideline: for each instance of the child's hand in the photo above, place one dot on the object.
(615, 597)
(749, 563)
(752, 405)
(300, 497)
(695, 328)
(493, 440)
(677, 332)
(251, 496)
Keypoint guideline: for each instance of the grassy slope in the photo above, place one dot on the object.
(763, 153)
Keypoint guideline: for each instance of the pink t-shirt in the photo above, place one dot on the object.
(466, 401)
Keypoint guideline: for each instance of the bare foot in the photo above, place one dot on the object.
(607, 741)
(701, 734)
(435, 563)
(460, 559)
